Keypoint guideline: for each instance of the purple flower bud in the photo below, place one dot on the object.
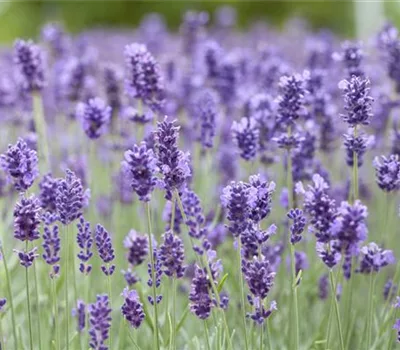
(95, 116)
(245, 135)
(263, 191)
(100, 322)
(132, 309)
(29, 59)
(26, 258)
(171, 254)
(52, 247)
(21, 164)
(194, 213)
(260, 313)
(137, 246)
(130, 277)
(199, 297)
(374, 258)
(105, 249)
(299, 223)
(259, 277)
(80, 313)
(141, 164)
(355, 144)
(48, 193)
(27, 219)
(69, 198)
(387, 170)
(329, 253)
(143, 76)
(351, 56)
(3, 302)
(357, 101)
(85, 242)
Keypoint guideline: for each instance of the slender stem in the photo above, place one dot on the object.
(40, 126)
(370, 308)
(269, 336)
(28, 299)
(355, 169)
(173, 342)
(262, 337)
(292, 250)
(391, 336)
(157, 340)
(207, 335)
(110, 296)
(10, 298)
(239, 262)
(38, 306)
(328, 335)
(56, 319)
(66, 287)
(337, 312)
(131, 338)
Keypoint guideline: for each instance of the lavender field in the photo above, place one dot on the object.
(206, 188)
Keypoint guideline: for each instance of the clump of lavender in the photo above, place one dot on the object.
(27, 219)
(172, 162)
(29, 60)
(84, 239)
(357, 101)
(105, 249)
(299, 223)
(171, 255)
(80, 313)
(387, 170)
(143, 76)
(95, 117)
(21, 164)
(132, 309)
(260, 279)
(141, 164)
(52, 247)
(245, 136)
(47, 193)
(100, 322)
(137, 246)
(373, 258)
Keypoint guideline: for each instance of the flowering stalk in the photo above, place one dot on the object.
(355, 169)
(335, 302)
(157, 340)
(292, 250)
(10, 298)
(40, 125)
(56, 318)
(110, 298)
(67, 310)
(239, 259)
(37, 302)
(29, 303)
(370, 307)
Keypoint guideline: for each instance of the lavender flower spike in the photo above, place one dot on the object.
(299, 223)
(105, 249)
(141, 163)
(27, 258)
(199, 297)
(29, 60)
(388, 172)
(85, 242)
(245, 135)
(80, 313)
(100, 322)
(374, 258)
(132, 309)
(52, 247)
(95, 116)
(27, 219)
(138, 247)
(172, 255)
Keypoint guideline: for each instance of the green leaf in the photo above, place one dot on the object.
(222, 282)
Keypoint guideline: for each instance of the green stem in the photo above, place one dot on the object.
(110, 296)
(239, 261)
(56, 319)
(269, 336)
(40, 126)
(157, 340)
(173, 342)
(262, 337)
(328, 335)
(66, 287)
(38, 306)
(355, 170)
(207, 335)
(337, 312)
(391, 336)
(28, 299)
(10, 298)
(131, 338)
(370, 308)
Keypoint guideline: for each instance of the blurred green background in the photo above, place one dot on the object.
(24, 18)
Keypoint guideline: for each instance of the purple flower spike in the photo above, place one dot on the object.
(143, 76)
(260, 313)
(52, 247)
(137, 246)
(100, 322)
(245, 135)
(105, 249)
(351, 56)
(299, 223)
(27, 219)
(199, 297)
(95, 116)
(329, 253)
(172, 162)
(80, 313)
(374, 258)
(48, 193)
(194, 213)
(132, 309)
(26, 259)
(54, 35)
(356, 144)
(388, 172)
(112, 79)
(357, 101)
(84, 239)
(130, 277)
(29, 60)
(172, 255)
(263, 191)
(21, 164)
(259, 277)
(141, 164)
(69, 198)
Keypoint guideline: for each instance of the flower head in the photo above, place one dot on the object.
(299, 223)
(27, 219)
(100, 322)
(171, 254)
(137, 246)
(84, 239)
(387, 171)
(374, 258)
(95, 116)
(245, 135)
(80, 313)
(132, 309)
(105, 249)
(52, 247)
